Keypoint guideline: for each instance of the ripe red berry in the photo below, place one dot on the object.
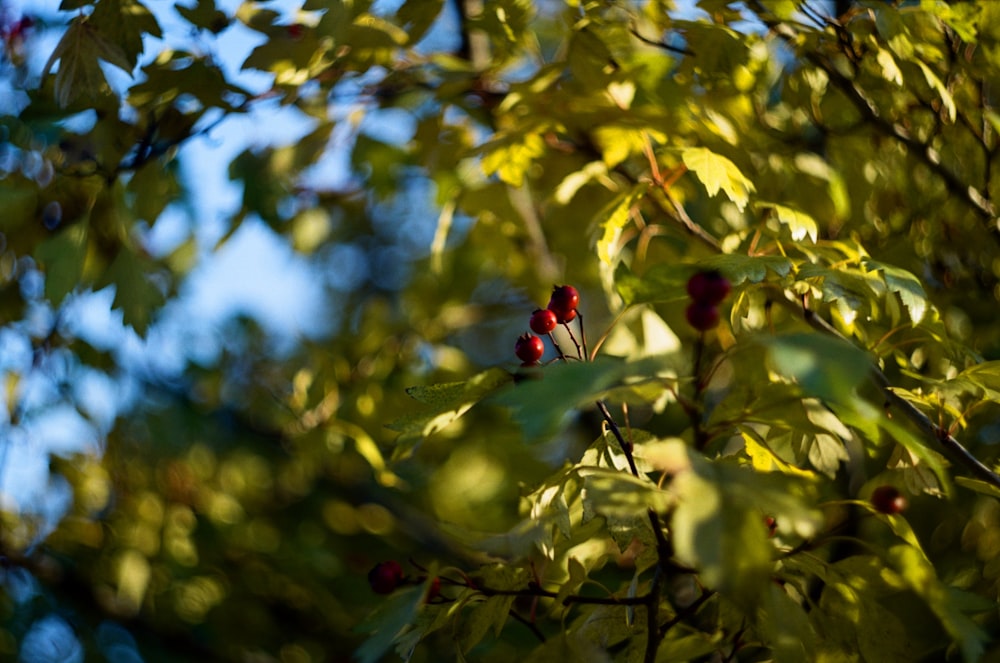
(888, 499)
(543, 321)
(564, 301)
(708, 287)
(385, 577)
(529, 348)
(772, 525)
(702, 316)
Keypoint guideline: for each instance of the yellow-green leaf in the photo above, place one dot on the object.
(717, 173)
(801, 224)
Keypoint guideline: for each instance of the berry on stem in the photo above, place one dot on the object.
(434, 589)
(563, 302)
(543, 321)
(702, 316)
(385, 577)
(529, 348)
(888, 499)
(708, 287)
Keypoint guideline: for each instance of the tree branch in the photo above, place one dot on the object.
(924, 153)
(930, 430)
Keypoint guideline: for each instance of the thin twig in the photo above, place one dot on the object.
(928, 427)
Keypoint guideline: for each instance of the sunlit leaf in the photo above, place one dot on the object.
(541, 405)
(940, 88)
(447, 402)
(906, 285)
(613, 220)
(824, 367)
(717, 173)
(799, 223)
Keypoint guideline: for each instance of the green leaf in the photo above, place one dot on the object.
(387, 622)
(18, 200)
(540, 406)
(902, 282)
(124, 23)
(786, 627)
(204, 15)
(825, 453)
(62, 258)
(718, 522)
(615, 493)
(717, 173)
(858, 616)
(615, 217)
(822, 366)
(510, 156)
(483, 617)
(179, 74)
(801, 224)
(920, 575)
(447, 403)
(79, 53)
(678, 647)
(575, 181)
(135, 294)
(939, 87)
(851, 290)
(764, 459)
(978, 486)
(417, 17)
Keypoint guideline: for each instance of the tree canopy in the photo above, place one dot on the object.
(766, 430)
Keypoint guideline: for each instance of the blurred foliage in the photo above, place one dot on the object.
(651, 493)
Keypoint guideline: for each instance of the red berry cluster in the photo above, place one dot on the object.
(707, 290)
(562, 308)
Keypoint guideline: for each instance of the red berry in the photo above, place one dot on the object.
(434, 589)
(772, 525)
(564, 301)
(702, 316)
(529, 348)
(708, 287)
(888, 499)
(543, 321)
(385, 577)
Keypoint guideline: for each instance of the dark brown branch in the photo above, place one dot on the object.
(536, 591)
(923, 152)
(930, 430)
(681, 615)
(659, 44)
(537, 632)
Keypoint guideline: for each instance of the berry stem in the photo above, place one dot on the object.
(579, 350)
(556, 346)
(583, 333)
(695, 412)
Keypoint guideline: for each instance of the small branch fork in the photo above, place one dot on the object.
(664, 551)
(977, 200)
(933, 431)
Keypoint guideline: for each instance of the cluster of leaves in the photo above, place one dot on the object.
(676, 495)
